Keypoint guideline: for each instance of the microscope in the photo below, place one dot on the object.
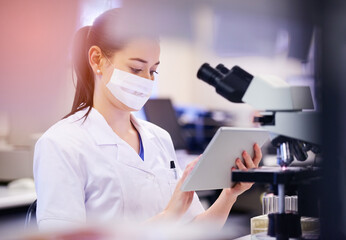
(287, 112)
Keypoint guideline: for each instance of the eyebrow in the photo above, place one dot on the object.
(143, 61)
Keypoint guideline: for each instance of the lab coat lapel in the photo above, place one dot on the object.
(127, 155)
(151, 149)
(99, 129)
(151, 152)
(103, 134)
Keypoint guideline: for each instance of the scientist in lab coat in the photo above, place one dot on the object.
(100, 163)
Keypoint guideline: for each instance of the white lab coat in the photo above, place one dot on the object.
(83, 170)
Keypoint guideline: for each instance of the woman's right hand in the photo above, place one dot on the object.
(180, 201)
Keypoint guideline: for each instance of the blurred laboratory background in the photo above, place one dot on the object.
(301, 42)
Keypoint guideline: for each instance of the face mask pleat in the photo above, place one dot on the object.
(130, 89)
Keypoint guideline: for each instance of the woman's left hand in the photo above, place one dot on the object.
(249, 163)
(219, 211)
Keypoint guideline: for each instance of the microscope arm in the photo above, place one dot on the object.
(297, 125)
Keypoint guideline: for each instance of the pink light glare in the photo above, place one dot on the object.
(35, 42)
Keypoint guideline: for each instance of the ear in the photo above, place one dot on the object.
(95, 56)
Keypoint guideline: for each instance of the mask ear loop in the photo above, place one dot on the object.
(98, 71)
(108, 59)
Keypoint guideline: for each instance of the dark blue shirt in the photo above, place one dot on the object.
(141, 149)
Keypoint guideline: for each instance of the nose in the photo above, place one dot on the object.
(147, 75)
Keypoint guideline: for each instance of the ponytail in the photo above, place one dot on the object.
(100, 34)
(85, 78)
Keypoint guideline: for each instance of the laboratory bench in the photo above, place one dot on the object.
(14, 204)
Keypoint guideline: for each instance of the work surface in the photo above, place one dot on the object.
(14, 198)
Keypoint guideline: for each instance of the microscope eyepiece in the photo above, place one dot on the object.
(222, 68)
(229, 83)
(209, 74)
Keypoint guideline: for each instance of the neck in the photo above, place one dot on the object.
(119, 120)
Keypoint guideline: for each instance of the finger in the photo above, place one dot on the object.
(258, 155)
(186, 173)
(248, 160)
(189, 168)
(194, 162)
(188, 199)
(240, 165)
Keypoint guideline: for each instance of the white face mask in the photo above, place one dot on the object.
(130, 89)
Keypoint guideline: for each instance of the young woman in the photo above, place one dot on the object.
(100, 162)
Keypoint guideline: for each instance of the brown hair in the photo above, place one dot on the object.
(100, 34)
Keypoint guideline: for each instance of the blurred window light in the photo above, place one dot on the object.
(91, 9)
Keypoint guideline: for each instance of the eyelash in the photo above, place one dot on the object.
(137, 70)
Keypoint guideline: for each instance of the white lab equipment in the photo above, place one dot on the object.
(83, 170)
(4, 130)
(15, 161)
(294, 128)
(287, 109)
(22, 184)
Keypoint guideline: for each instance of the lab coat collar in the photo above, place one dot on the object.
(102, 133)
(151, 149)
(144, 132)
(98, 128)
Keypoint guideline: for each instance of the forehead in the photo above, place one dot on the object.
(144, 48)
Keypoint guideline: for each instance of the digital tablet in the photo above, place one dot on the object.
(213, 170)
